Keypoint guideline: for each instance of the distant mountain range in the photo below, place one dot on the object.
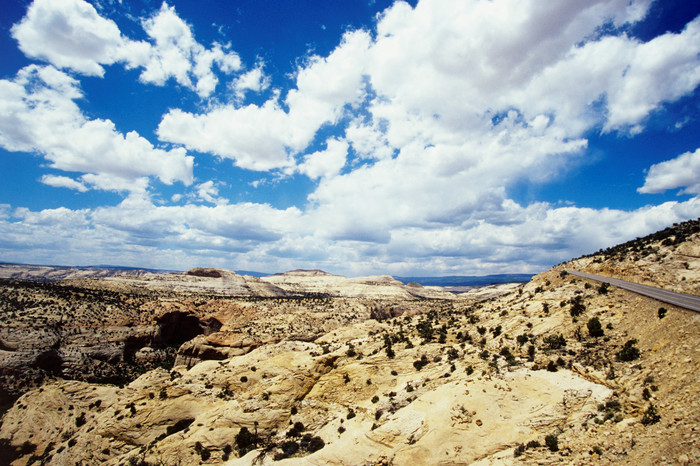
(466, 280)
(453, 280)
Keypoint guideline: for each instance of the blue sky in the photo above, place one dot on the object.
(435, 137)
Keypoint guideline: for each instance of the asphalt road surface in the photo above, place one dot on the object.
(686, 301)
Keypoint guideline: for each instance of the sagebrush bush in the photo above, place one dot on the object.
(552, 442)
(629, 352)
(595, 329)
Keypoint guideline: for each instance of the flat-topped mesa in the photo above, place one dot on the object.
(209, 272)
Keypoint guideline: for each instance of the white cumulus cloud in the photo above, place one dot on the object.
(325, 163)
(58, 181)
(681, 172)
(71, 34)
(41, 116)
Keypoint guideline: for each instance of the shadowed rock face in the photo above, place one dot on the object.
(175, 328)
(50, 361)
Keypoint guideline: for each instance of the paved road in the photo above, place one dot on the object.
(686, 301)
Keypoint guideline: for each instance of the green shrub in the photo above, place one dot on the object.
(522, 339)
(629, 352)
(555, 341)
(226, 452)
(533, 444)
(452, 354)
(650, 416)
(662, 312)
(420, 363)
(577, 307)
(315, 444)
(595, 329)
(519, 450)
(290, 447)
(245, 441)
(552, 442)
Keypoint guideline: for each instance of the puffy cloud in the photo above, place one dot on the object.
(258, 236)
(71, 34)
(256, 138)
(176, 54)
(267, 137)
(661, 70)
(681, 172)
(209, 192)
(467, 99)
(253, 80)
(63, 182)
(325, 163)
(326, 85)
(41, 116)
(463, 60)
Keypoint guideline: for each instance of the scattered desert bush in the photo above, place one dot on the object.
(577, 307)
(522, 339)
(245, 441)
(629, 352)
(314, 444)
(555, 341)
(650, 416)
(452, 354)
(533, 444)
(420, 363)
(519, 450)
(552, 442)
(595, 329)
(531, 352)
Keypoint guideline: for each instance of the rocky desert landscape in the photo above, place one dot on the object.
(305, 367)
